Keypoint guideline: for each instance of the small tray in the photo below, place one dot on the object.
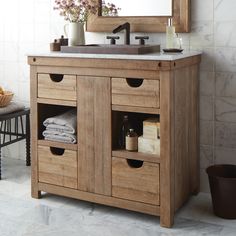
(173, 50)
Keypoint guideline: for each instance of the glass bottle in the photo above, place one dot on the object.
(131, 141)
(170, 34)
(123, 131)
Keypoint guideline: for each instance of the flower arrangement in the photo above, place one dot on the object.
(79, 10)
(109, 9)
(76, 10)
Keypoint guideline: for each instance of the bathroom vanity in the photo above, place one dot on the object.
(104, 88)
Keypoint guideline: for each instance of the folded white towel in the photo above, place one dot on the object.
(59, 136)
(12, 107)
(66, 122)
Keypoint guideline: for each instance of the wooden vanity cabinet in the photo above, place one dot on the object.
(102, 91)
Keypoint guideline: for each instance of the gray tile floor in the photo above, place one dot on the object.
(20, 215)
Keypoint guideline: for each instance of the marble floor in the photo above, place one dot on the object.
(57, 216)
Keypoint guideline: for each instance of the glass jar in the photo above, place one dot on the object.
(131, 141)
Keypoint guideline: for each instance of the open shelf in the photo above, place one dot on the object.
(67, 146)
(136, 155)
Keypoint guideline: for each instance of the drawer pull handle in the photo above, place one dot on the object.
(56, 77)
(57, 151)
(134, 163)
(134, 83)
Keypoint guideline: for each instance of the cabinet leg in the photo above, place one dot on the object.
(167, 221)
(35, 193)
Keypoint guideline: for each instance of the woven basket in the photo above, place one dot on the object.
(6, 98)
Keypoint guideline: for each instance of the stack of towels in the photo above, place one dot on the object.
(61, 128)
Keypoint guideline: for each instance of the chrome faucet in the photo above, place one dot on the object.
(126, 27)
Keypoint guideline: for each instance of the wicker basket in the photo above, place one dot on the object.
(6, 98)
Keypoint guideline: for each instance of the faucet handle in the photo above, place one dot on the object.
(142, 39)
(113, 39)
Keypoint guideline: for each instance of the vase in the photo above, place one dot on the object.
(75, 33)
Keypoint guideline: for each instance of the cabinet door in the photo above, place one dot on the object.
(94, 134)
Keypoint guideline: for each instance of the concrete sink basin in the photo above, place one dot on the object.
(111, 49)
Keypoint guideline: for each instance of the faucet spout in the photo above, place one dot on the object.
(126, 27)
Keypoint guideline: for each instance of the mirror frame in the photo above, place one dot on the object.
(152, 24)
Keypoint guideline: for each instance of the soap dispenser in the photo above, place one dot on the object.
(170, 34)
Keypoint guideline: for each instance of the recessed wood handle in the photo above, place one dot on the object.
(56, 77)
(134, 83)
(134, 163)
(57, 151)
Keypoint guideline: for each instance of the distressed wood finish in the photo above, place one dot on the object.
(147, 110)
(57, 101)
(57, 169)
(181, 19)
(102, 199)
(94, 129)
(66, 88)
(146, 95)
(137, 184)
(181, 133)
(169, 91)
(194, 147)
(136, 156)
(35, 192)
(167, 168)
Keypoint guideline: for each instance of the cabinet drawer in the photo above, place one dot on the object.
(57, 166)
(57, 86)
(136, 92)
(135, 180)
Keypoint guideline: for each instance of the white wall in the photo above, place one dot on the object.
(27, 25)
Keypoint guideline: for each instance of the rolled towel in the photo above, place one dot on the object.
(60, 128)
(59, 136)
(66, 122)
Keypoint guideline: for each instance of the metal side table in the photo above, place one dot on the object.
(14, 128)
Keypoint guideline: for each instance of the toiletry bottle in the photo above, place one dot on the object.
(123, 131)
(170, 34)
(131, 141)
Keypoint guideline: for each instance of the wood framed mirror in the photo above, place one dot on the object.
(180, 16)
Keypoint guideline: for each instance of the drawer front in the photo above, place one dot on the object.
(57, 166)
(136, 92)
(56, 86)
(135, 180)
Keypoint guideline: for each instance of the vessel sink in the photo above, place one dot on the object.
(111, 49)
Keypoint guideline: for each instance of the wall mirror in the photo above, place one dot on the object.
(138, 8)
(152, 17)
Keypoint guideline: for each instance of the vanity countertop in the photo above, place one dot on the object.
(151, 56)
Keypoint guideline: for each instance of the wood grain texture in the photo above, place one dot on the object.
(194, 147)
(137, 184)
(57, 169)
(68, 146)
(65, 89)
(181, 20)
(136, 156)
(146, 95)
(147, 110)
(176, 169)
(167, 149)
(34, 132)
(94, 128)
(67, 64)
(182, 139)
(60, 102)
(102, 199)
